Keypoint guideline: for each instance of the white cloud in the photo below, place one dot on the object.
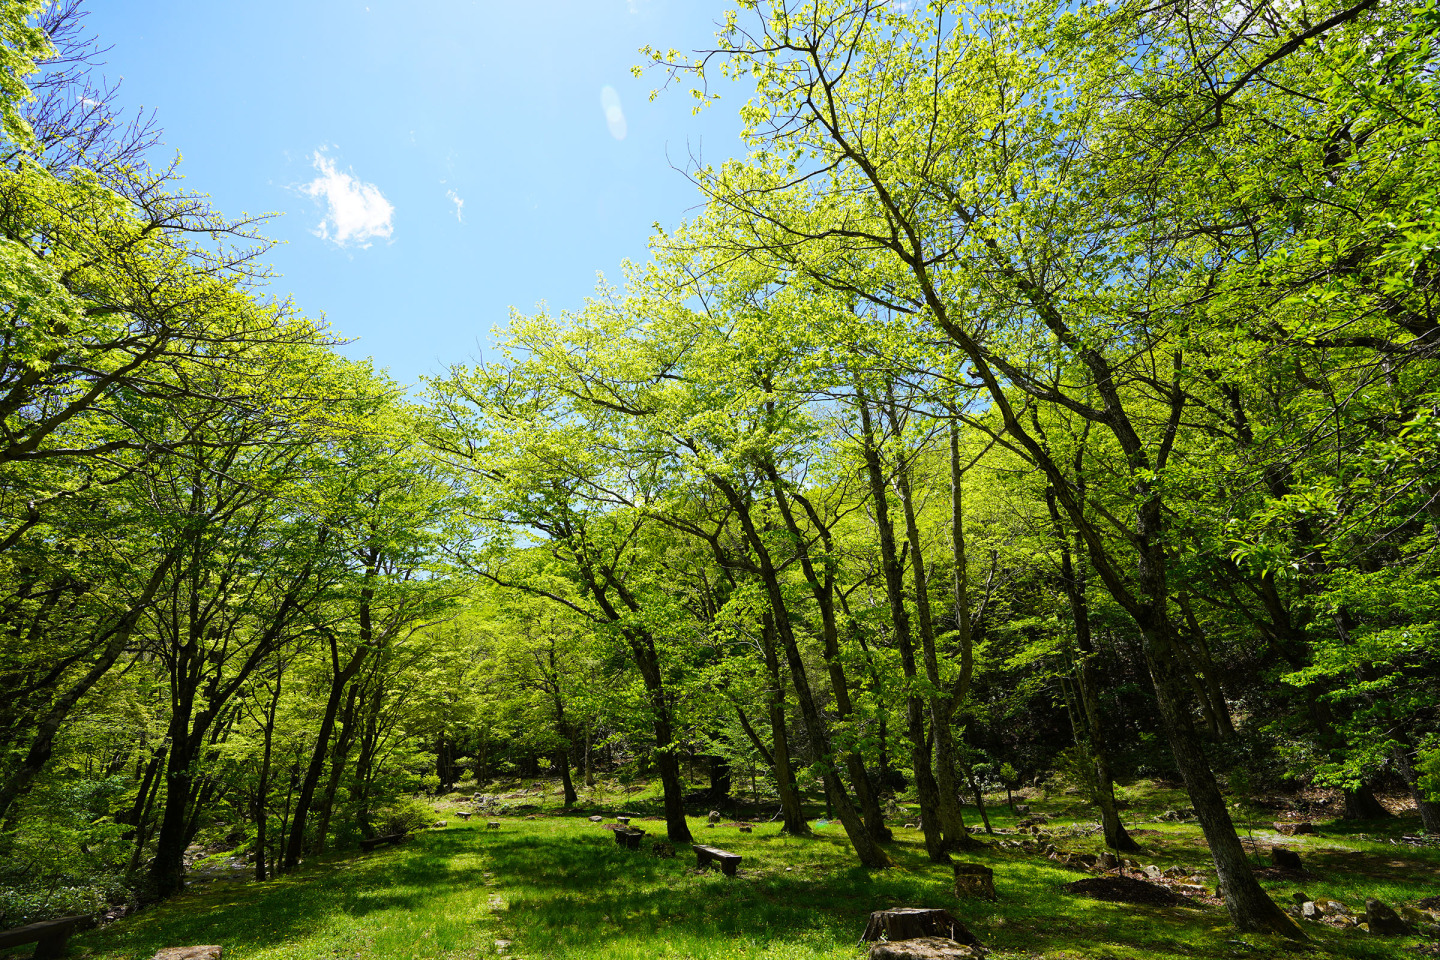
(614, 115)
(456, 199)
(355, 212)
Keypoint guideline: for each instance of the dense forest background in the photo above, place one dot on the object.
(1051, 395)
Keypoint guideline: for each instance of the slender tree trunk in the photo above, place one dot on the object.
(262, 794)
(822, 587)
(925, 788)
(340, 678)
(337, 766)
(867, 850)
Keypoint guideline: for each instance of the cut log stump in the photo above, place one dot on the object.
(911, 923)
(975, 880)
(629, 837)
(924, 948)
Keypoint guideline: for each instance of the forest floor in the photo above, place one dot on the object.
(549, 884)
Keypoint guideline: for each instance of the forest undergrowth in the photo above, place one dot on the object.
(550, 883)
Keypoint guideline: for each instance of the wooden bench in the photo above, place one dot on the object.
(49, 936)
(629, 837)
(373, 842)
(729, 862)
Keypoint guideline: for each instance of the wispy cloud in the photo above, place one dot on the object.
(614, 115)
(355, 212)
(459, 202)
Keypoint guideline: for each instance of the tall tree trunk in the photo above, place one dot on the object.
(1089, 725)
(340, 678)
(925, 788)
(821, 582)
(337, 766)
(262, 793)
(867, 850)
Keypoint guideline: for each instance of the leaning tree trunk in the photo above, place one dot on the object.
(867, 849)
(1247, 902)
(821, 582)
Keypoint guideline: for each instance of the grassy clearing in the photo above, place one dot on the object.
(559, 887)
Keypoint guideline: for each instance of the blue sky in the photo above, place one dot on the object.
(436, 162)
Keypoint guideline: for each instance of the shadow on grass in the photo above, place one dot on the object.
(562, 888)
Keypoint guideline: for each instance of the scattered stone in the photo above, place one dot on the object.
(623, 821)
(1285, 858)
(1294, 829)
(1108, 861)
(1189, 889)
(924, 948)
(190, 953)
(974, 880)
(1115, 889)
(909, 826)
(1022, 808)
(1154, 872)
(745, 828)
(1333, 908)
(1178, 815)
(1309, 911)
(597, 819)
(1417, 917)
(439, 824)
(1085, 859)
(502, 946)
(714, 817)
(1301, 897)
(493, 825)
(1383, 921)
(910, 923)
(662, 849)
(532, 817)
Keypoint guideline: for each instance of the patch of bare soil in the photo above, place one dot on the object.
(1429, 903)
(1113, 889)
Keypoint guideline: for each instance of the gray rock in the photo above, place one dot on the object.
(190, 953)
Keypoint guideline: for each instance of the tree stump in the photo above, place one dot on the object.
(924, 948)
(911, 923)
(975, 880)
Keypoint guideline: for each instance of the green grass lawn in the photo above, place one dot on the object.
(558, 886)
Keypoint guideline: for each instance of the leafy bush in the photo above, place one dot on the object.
(405, 815)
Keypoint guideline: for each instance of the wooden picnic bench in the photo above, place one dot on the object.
(629, 837)
(49, 936)
(373, 842)
(729, 862)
